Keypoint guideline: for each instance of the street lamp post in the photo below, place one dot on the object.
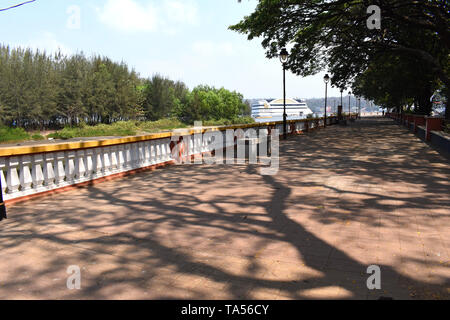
(325, 79)
(342, 90)
(349, 96)
(2, 204)
(359, 107)
(283, 58)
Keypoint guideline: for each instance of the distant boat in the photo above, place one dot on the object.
(274, 109)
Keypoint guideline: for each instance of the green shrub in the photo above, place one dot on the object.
(219, 122)
(227, 122)
(244, 120)
(13, 134)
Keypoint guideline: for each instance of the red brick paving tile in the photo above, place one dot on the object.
(307, 233)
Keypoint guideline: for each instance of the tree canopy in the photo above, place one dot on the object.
(38, 90)
(334, 35)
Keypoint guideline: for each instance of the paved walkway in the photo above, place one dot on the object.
(344, 198)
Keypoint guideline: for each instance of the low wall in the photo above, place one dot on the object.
(421, 132)
(426, 128)
(441, 142)
(29, 171)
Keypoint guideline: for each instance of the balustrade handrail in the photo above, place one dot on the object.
(77, 145)
(27, 171)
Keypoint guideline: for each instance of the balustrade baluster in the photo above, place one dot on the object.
(25, 173)
(49, 173)
(141, 154)
(163, 151)
(70, 166)
(152, 152)
(106, 161)
(158, 151)
(89, 163)
(36, 174)
(128, 159)
(12, 176)
(59, 170)
(114, 162)
(146, 153)
(98, 162)
(80, 168)
(121, 158)
(134, 156)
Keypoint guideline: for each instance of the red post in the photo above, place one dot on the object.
(418, 121)
(432, 124)
(409, 120)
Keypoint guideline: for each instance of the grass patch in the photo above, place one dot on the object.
(13, 135)
(121, 128)
(131, 128)
(162, 124)
(37, 137)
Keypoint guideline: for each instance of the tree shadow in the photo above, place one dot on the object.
(204, 232)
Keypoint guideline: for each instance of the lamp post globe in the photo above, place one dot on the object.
(284, 54)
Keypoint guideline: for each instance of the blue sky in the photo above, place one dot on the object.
(185, 40)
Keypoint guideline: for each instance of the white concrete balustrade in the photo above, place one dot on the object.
(27, 174)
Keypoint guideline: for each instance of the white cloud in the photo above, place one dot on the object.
(150, 16)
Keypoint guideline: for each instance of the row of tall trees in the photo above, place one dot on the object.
(38, 90)
(396, 53)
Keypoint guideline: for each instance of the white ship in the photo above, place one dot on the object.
(274, 109)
